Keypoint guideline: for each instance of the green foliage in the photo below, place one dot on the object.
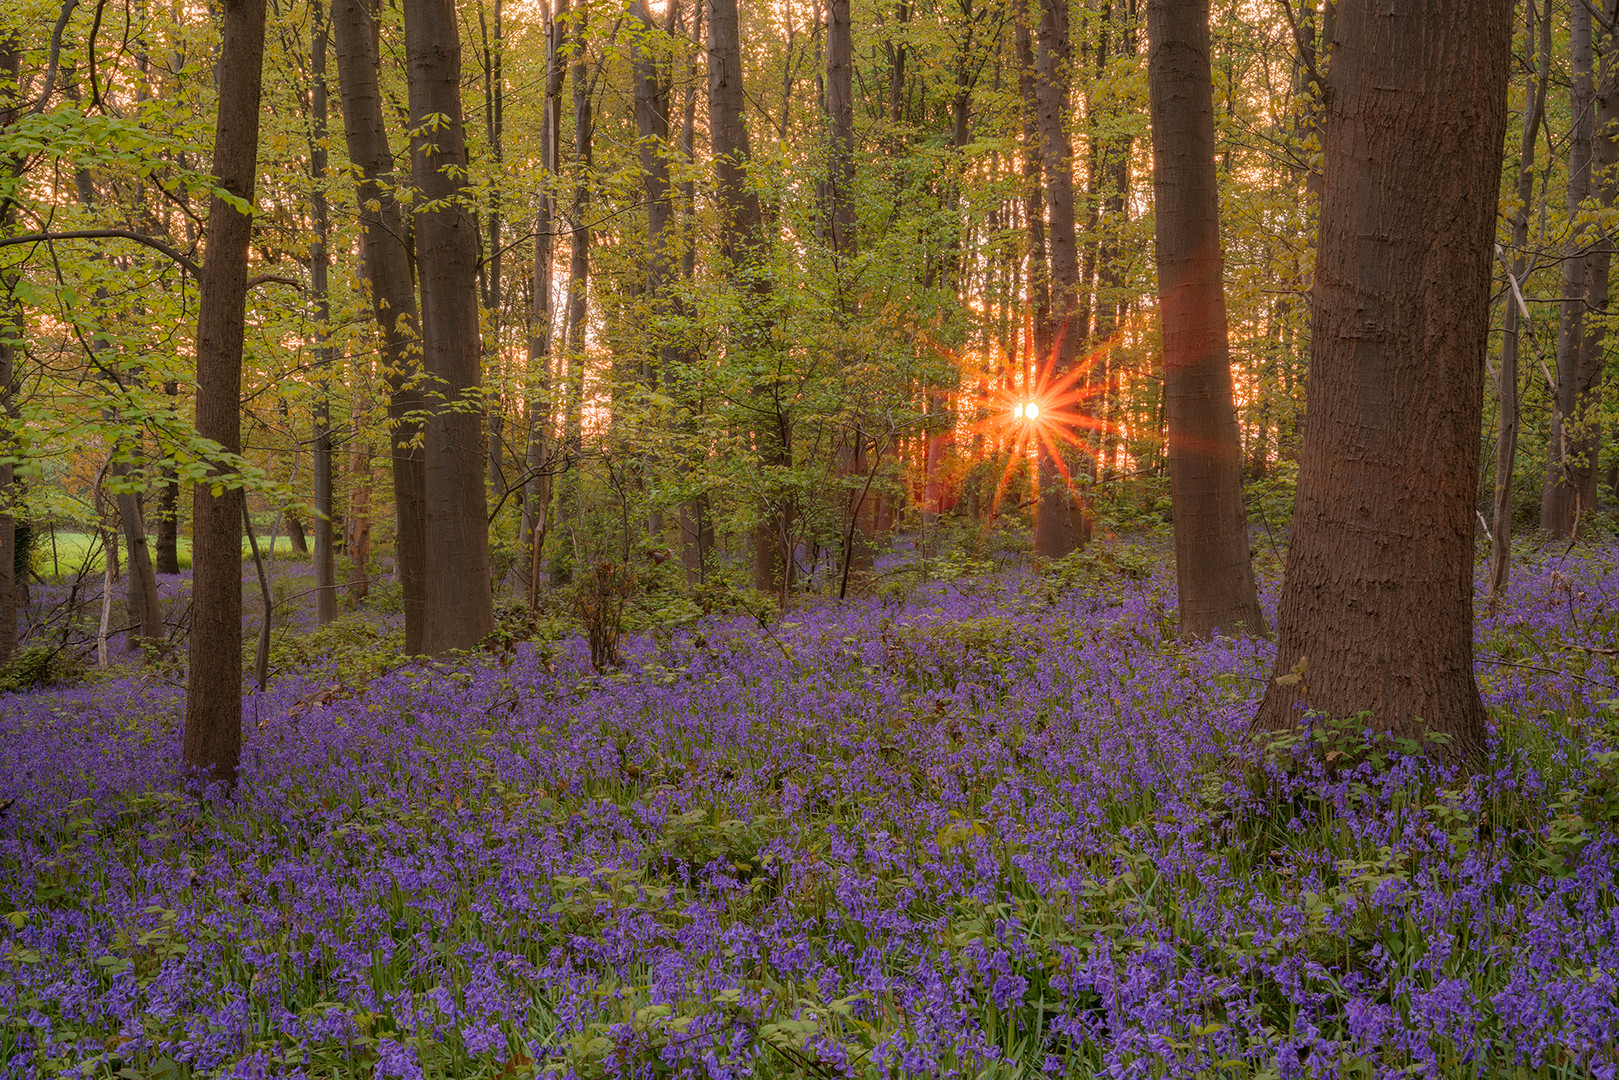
(38, 666)
(351, 650)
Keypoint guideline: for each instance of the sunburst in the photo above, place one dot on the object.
(1048, 410)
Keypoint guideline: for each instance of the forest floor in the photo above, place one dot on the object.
(1002, 826)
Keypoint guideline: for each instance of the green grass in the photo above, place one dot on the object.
(68, 553)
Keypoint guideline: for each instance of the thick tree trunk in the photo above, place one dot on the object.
(1213, 575)
(385, 256)
(742, 245)
(213, 724)
(1376, 613)
(696, 528)
(578, 272)
(325, 506)
(1506, 442)
(459, 610)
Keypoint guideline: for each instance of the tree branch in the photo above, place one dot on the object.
(103, 234)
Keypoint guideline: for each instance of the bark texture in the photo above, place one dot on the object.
(459, 605)
(213, 724)
(385, 256)
(1376, 613)
(1213, 574)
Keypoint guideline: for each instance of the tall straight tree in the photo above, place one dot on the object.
(1060, 522)
(743, 248)
(1569, 494)
(1376, 613)
(459, 603)
(213, 725)
(11, 327)
(1213, 575)
(319, 266)
(1506, 443)
(385, 258)
(537, 485)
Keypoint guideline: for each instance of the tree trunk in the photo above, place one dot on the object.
(385, 257)
(167, 547)
(213, 724)
(11, 335)
(1060, 521)
(1569, 495)
(1376, 613)
(459, 604)
(1506, 443)
(494, 131)
(1213, 575)
(578, 273)
(742, 246)
(696, 527)
(325, 506)
(537, 487)
(841, 230)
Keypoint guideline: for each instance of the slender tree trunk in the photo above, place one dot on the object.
(1506, 443)
(495, 133)
(1214, 577)
(1376, 613)
(842, 232)
(11, 339)
(213, 724)
(459, 604)
(1569, 494)
(696, 528)
(325, 504)
(167, 546)
(742, 246)
(1060, 521)
(578, 270)
(537, 488)
(385, 257)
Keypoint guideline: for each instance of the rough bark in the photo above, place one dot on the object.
(385, 259)
(213, 723)
(325, 506)
(1213, 574)
(1376, 613)
(1506, 442)
(458, 602)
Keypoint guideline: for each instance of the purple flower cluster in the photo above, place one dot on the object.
(1002, 828)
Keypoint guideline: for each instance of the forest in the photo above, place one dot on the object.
(808, 538)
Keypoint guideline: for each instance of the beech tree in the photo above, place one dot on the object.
(1214, 577)
(385, 259)
(213, 724)
(459, 608)
(1376, 611)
